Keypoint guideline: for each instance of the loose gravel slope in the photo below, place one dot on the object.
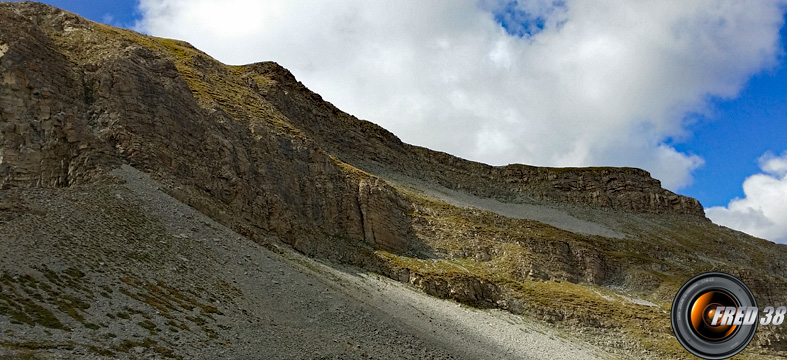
(128, 271)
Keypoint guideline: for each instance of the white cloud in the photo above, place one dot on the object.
(603, 83)
(108, 19)
(774, 165)
(763, 210)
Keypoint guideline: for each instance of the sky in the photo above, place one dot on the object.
(692, 91)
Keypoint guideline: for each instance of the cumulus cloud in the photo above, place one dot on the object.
(763, 210)
(556, 83)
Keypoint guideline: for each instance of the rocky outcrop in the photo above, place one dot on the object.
(43, 140)
(605, 188)
(376, 150)
(381, 226)
(79, 99)
(255, 150)
(466, 288)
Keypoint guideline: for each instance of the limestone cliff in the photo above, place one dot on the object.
(598, 249)
(372, 148)
(83, 98)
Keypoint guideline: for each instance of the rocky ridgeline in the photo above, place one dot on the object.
(376, 150)
(607, 188)
(79, 99)
(253, 149)
(626, 189)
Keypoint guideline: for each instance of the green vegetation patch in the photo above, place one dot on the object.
(165, 298)
(126, 345)
(149, 326)
(22, 306)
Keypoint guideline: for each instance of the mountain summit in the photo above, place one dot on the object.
(107, 134)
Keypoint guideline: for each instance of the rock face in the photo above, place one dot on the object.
(80, 98)
(44, 140)
(83, 99)
(253, 149)
(371, 148)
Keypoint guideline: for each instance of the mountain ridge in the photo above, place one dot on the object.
(253, 149)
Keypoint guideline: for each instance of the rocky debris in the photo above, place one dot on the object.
(253, 149)
(125, 271)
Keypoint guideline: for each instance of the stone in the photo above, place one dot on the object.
(255, 150)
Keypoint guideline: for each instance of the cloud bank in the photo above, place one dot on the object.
(554, 83)
(763, 210)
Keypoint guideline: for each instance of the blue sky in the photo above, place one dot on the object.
(738, 132)
(114, 12)
(730, 135)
